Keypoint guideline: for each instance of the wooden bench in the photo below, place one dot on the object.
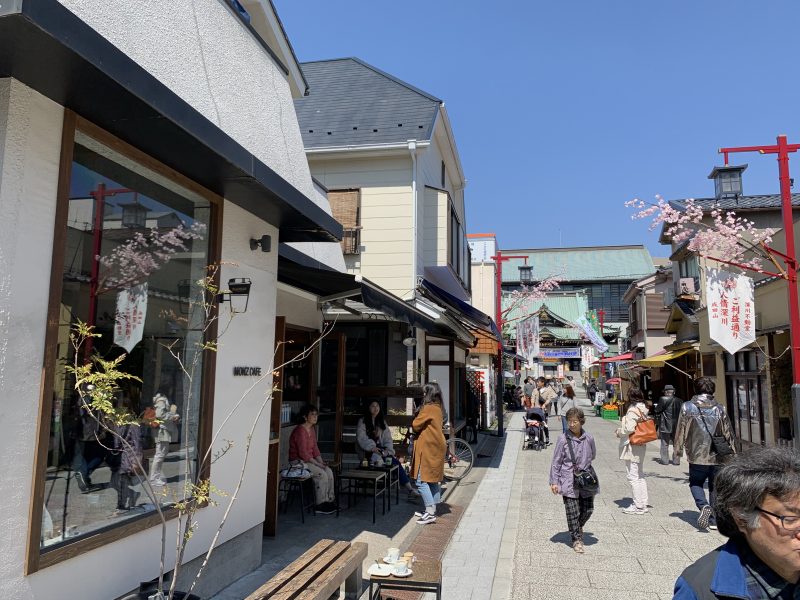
(318, 574)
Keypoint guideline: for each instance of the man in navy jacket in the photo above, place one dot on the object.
(757, 507)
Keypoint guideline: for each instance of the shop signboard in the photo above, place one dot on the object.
(556, 353)
(731, 309)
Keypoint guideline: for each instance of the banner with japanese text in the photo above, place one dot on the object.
(528, 338)
(592, 334)
(131, 313)
(731, 309)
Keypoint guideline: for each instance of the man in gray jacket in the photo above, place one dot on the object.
(701, 418)
(667, 412)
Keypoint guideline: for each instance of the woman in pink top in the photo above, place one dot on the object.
(303, 446)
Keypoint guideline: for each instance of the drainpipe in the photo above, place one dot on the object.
(412, 148)
(411, 355)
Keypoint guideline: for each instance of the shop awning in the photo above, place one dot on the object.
(351, 293)
(658, 360)
(618, 358)
(460, 310)
(48, 48)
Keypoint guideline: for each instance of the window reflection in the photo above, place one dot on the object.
(93, 481)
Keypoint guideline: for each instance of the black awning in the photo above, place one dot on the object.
(299, 270)
(460, 309)
(50, 49)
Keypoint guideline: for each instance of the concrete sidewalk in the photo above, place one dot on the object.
(637, 557)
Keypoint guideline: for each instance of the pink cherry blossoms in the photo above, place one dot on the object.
(717, 233)
(527, 295)
(132, 262)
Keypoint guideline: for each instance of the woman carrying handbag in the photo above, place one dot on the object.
(635, 430)
(572, 475)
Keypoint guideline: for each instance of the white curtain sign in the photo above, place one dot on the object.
(731, 309)
(131, 313)
(528, 338)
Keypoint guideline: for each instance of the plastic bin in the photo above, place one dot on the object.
(611, 415)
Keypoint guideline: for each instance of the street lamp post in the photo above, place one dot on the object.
(499, 259)
(783, 149)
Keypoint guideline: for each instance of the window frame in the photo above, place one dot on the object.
(38, 558)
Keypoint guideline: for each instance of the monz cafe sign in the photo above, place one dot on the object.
(247, 371)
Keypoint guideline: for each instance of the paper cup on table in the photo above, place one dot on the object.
(393, 554)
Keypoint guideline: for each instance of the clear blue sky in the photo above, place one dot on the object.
(562, 111)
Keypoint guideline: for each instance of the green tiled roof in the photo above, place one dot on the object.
(567, 306)
(595, 263)
(563, 333)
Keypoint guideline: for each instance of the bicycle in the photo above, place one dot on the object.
(459, 456)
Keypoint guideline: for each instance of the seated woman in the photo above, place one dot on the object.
(303, 446)
(375, 443)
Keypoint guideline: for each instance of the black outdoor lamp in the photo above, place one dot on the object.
(525, 274)
(134, 215)
(237, 294)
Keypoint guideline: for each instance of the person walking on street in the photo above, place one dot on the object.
(634, 410)
(667, 412)
(427, 461)
(167, 420)
(544, 392)
(566, 402)
(527, 391)
(758, 510)
(575, 450)
(701, 419)
(591, 391)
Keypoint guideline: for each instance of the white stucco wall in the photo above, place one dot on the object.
(204, 54)
(30, 140)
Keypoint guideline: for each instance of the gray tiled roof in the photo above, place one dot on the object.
(351, 103)
(763, 201)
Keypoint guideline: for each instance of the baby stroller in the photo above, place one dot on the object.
(535, 435)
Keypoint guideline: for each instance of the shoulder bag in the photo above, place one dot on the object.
(645, 431)
(719, 445)
(582, 479)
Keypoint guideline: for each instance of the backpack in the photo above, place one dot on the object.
(149, 417)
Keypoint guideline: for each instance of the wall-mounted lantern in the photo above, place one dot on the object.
(237, 294)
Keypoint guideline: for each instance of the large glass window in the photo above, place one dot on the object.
(151, 235)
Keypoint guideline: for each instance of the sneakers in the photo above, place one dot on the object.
(79, 478)
(705, 517)
(577, 545)
(426, 519)
(633, 510)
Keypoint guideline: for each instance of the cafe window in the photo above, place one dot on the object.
(114, 204)
(748, 396)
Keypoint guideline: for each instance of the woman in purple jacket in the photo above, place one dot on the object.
(578, 503)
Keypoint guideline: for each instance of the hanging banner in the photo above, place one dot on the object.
(731, 309)
(587, 356)
(131, 313)
(528, 338)
(585, 326)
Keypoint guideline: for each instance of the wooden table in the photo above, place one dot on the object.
(378, 479)
(426, 576)
(393, 480)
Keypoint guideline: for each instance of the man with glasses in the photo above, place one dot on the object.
(757, 507)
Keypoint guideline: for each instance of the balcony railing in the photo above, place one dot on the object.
(351, 240)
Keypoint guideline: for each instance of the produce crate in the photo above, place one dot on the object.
(611, 415)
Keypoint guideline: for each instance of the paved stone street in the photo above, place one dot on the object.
(512, 540)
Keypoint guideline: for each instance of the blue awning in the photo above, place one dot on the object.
(461, 311)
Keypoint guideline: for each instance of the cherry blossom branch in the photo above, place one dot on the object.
(727, 235)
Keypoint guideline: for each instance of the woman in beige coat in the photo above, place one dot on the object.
(634, 410)
(427, 463)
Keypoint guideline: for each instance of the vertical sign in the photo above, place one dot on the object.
(131, 313)
(731, 309)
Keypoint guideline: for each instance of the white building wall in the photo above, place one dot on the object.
(204, 54)
(484, 285)
(386, 216)
(30, 142)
